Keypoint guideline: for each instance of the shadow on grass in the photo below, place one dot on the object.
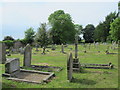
(84, 81)
(5, 85)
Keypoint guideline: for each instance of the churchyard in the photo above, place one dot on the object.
(93, 54)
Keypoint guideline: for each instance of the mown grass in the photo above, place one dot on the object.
(90, 78)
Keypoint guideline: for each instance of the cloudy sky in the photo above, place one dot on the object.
(19, 16)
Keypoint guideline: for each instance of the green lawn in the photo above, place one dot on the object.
(90, 78)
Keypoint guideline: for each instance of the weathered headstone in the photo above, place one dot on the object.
(70, 67)
(2, 53)
(27, 56)
(12, 66)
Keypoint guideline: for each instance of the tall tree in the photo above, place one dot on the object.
(29, 35)
(102, 30)
(115, 29)
(100, 33)
(62, 30)
(88, 33)
(42, 36)
(109, 19)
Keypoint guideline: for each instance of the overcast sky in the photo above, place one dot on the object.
(19, 16)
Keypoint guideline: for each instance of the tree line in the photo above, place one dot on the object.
(61, 29)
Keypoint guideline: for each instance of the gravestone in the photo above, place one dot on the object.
(12, 66)
(70, 67)
(62, 48)
(27, 56)
(2, 53)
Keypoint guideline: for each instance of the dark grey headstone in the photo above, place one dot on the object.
(70, 67)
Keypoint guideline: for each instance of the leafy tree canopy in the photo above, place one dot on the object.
(29, 35)
(115, 29)
(62, 30)
(88, 33)
(8, 38)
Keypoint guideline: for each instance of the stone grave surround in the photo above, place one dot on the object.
(98, 66)
(13, 72)
(70, 67)
(2, 53)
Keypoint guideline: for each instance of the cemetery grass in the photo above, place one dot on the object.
(88, 78)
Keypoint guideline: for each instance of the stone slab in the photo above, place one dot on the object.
(31, 76)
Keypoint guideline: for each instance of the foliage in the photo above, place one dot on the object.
(115, 29)
(102, 30)
(78, 28)
(119, 3)
(8, 38)
(42, 35)
(88, 33)
(29, 36)
(62, 30)
(99, 32)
